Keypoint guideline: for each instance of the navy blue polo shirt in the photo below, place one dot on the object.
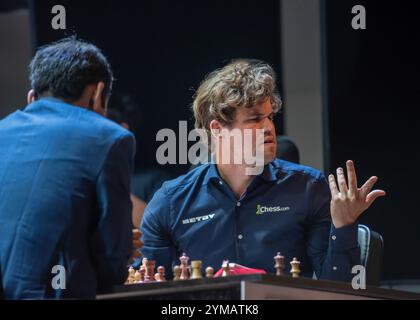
(285, 209)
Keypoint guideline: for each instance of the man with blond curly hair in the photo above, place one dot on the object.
(220, 211)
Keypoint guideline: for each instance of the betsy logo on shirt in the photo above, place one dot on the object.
(263, 209)
(198, 219)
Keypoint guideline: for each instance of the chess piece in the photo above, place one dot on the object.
(157, 277)
(177, 273)
(137, 277)
(226, 268)
(150, 270)
(161, 274)
(279, 259)
(142, 272)
(196, 269)
(295, 268)
(184, 267)
(143, 268)
(131, 274)
(143, 262)
(147, 279)
(209, 272)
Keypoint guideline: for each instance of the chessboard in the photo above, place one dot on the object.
(189, 283)
(252, 287)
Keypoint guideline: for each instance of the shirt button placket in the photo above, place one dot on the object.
(239, 236)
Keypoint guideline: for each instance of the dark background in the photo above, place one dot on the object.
(161, 50)
(373, 117)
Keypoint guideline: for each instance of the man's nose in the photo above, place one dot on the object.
(268, 126)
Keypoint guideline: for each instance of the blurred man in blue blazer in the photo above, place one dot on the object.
(65, 209)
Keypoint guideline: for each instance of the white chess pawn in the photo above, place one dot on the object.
(209, 272)
(157, 277)
(177, 273)
(295, 270)
(131, 275)
(161, 273)
(137, 277)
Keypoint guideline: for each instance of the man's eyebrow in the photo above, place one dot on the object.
(256, 113)
(259, 114)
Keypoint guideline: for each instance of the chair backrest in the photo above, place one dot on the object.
(371, 254)
(287, 149)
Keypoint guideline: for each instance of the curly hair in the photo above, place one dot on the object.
(241, 83)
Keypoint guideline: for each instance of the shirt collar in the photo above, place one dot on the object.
(212, 174)
(269, 173)
(41, 102)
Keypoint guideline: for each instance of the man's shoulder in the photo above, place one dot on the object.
(111, 129)
(86, 122)
(91, 121)
(290, 168)
(69, 125)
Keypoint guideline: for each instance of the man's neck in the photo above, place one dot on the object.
(235, 176)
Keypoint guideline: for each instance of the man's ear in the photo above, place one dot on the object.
(31, 96)
(215, 128)
(98, 104)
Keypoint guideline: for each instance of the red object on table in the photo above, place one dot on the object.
(237, 269)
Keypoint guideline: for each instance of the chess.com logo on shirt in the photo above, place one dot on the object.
(263, 209)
